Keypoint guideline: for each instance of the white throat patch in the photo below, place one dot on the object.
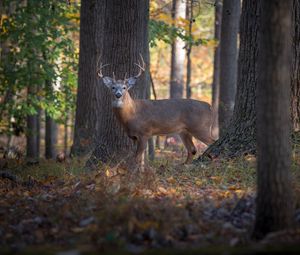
(117, 103)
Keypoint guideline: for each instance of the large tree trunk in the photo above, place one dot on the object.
(274, 200)
(216, 74)
(87, 94)
(116, 32)
(240, 135)
(177, 55)
(228, 60)
(295, 77)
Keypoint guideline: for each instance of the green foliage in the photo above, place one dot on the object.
(163, 28)
(161, 31)
(38, 55)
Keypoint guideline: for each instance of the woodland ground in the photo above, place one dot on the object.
(54, 208)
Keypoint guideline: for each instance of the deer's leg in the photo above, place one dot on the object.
(141, 146)
(187, 140)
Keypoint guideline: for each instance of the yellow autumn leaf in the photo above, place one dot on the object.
(216, 179)
(162, 190)
(233, 187)
(198, 182)
(182, 21)
(171, 180)
(165, 17)
(172, 191)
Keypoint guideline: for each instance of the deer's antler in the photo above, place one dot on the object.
(142, 67)
(99, 68)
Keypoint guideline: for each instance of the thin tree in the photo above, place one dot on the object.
(228, 60)
(50, 137)
(32, 130)
(274, 207)
(33, 120)
(216, 72)
(50, 128)
(177, 60)
(177, 54)
(189, 46)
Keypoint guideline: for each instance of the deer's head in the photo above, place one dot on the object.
(119, 88)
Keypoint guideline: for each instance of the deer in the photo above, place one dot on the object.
(144, 118)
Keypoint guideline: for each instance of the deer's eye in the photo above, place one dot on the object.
(113, 87)
(124, 87)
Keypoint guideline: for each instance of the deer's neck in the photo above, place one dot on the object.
(126, 111)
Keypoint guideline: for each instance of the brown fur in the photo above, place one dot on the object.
(186, 117)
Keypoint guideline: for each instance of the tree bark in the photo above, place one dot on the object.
(86, 105)
(239, 138)
(295, 77)
(228, 60)
(177, 61)
(189, 16)
(177, 55)
(50, 138)
(216, 74)
(151, 149)
(66, 133)
(32, 132)
(38, 129)
(116, 32)
(274, 208)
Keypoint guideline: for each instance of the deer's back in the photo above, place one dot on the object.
(172, 115)
(173, 107)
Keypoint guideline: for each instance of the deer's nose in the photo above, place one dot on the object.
(118, 95)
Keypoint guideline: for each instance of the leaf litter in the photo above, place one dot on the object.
(165, 206)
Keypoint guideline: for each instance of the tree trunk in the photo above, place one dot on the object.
(228, 60)
(216, 74)
(87, 93)
(189, 16)
(32, 139)
(295, 77)
(177, 61)
(151, 149)
(50, 138)
(274, 208)
(177, 55)
(117, 37)
(239, 138)
(38, 129)
(66, 133)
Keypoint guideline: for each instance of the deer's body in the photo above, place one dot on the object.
(162, 117)
(142, 119)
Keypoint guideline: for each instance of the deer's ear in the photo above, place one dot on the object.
(131, 82)
(107, 81)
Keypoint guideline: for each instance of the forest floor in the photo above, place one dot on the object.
(59, 208)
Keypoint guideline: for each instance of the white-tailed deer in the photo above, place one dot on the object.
(143, 118)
